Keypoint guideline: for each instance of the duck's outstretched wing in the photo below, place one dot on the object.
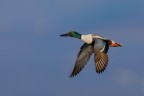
(83, 57)
(100, 54)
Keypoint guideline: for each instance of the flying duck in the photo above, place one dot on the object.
(93, 43)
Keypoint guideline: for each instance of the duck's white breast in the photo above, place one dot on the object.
(87, 38)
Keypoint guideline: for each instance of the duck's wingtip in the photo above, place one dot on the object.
(71, 76)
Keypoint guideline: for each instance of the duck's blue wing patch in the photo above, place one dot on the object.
(101, 45)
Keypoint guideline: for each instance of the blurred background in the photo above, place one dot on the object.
(36, 61)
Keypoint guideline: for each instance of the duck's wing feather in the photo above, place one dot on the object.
(100, 54)
(83, 57)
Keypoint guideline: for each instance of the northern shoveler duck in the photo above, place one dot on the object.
(93, 43)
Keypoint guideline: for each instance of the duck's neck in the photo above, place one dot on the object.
(77, 35)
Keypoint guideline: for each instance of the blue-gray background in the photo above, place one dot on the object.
(36, 61)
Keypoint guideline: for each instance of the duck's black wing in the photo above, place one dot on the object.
(83, 57)
(100, 54)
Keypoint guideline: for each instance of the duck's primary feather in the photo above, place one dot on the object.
(100, 54)
(83, 57)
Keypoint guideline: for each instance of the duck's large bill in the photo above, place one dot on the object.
(64, 35)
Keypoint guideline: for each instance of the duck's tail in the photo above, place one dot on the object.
(114, 44)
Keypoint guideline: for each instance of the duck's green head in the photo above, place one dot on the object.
(72, 34)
